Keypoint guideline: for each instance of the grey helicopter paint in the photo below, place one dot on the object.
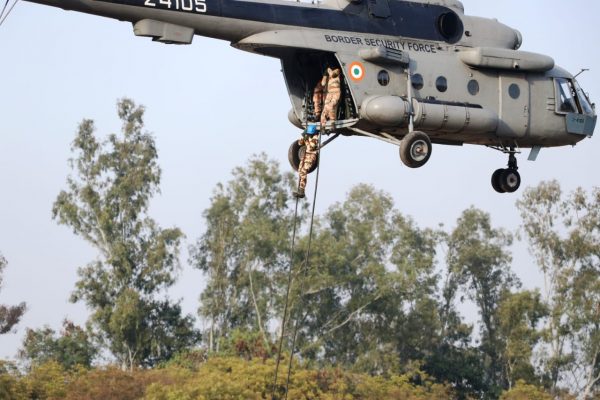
(416, 73)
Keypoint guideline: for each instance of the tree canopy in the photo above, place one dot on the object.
(106, 203)
(9, 315)
(378, 303)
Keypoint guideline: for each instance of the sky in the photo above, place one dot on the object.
(210, 107)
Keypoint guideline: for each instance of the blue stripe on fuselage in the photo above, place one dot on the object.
(413, 20)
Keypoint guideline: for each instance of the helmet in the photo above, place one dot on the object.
(311, 129)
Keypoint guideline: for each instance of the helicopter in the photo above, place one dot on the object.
(412, 73)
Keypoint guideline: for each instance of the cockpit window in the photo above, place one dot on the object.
(565, 96)
(583, 100)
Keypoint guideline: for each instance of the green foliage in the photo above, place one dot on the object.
(523, 391)
(9, 315)
(519, 315)
(244, 250)
(234, 378)
(190, 359)
(47, 381)
(215, 378)
(247, 345)
(479, 263)
(11, 386)
(106, 203)
(564, 236)
(368, 299)
(72, 348)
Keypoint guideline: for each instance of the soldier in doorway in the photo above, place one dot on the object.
(318, 97)
(332, 97)
(310, 140)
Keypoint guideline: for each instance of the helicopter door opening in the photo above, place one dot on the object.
(514, 105)
(303, 72)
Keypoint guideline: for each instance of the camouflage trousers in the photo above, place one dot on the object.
(305, 165)
(330, 109)
(318, 100)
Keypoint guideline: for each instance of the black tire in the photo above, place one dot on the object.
(496, 176)
(415, 149)
(296, 153)
(510, 180)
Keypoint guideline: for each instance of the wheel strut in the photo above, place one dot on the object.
(512, 160)
(507, 180)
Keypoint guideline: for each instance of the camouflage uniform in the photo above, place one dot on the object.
(310, 157)
(318, 97)
(332, 98)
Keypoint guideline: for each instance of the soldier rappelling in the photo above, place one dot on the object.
(310, 140)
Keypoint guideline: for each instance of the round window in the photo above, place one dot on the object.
(514, 91)
(383, 77)
(441, 84)
(417, 81)
(473, 87)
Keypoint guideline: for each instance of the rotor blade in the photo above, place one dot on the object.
(2, 19)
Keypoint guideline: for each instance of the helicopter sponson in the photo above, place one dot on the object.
(414, 73)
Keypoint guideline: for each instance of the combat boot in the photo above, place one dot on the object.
(299, 194)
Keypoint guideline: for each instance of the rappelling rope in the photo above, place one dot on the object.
(287, 295)
(289, 284)
(305, 266)
(4, 16)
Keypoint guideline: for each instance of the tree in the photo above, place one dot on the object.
(369, 298)
(245, 250)
(519, 315)
(479, 262)
(106, 203)
(72, 348)
(9, 315)
(564, 236)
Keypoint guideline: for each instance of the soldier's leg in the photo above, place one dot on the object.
(309, 161)
(318, 103)
(325, 114)
(305, 166)
(299, 192)
(334, 100)
(302, 174)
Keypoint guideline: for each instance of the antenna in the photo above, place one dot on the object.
(581, 72)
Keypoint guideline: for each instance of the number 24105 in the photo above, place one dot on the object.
(184, 5)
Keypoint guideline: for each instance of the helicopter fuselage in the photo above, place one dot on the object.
(407, 65)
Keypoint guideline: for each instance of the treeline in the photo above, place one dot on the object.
(379, 297)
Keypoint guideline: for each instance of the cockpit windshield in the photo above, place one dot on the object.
(583, 100)
(571, 98)
(565, 96)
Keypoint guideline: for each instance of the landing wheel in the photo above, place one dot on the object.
(415, 149)
(510, 180)
(506, 180)
(296, 154)
(496, 176)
